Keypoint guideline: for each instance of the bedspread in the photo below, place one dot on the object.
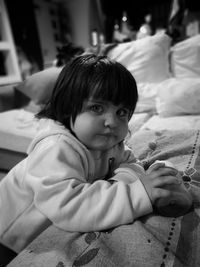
(152, 240)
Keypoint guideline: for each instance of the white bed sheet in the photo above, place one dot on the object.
(17, 129)
(137, 121)
(172, 123)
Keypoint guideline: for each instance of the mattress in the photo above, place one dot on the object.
(17, 129)
(172, 123)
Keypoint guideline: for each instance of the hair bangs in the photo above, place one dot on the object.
(89, 77)
(116, 86)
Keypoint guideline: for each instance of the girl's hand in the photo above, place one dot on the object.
(167, 191)
(161, 163)
(157, 180)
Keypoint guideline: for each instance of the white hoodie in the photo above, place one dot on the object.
(61, 183)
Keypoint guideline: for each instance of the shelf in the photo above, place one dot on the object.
(9, 67)
(5, 45)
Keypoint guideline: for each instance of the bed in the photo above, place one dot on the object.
(18, 104)
(165, 126)
(17, 129)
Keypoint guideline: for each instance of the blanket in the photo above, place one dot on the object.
(152, 240)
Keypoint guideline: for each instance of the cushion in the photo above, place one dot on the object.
(178, 96)
(185, 58)
(39, 86)
(147, 93)
(147, 58)
(136, 122)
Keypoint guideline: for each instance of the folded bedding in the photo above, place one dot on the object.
(172, 123)
(17, 128)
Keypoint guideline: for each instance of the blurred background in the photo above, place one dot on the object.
(43, 30)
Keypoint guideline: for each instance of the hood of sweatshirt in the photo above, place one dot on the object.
(48, 127)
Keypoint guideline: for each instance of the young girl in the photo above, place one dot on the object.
(78, 175)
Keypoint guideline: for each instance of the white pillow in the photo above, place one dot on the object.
(39, 86)
(178, 96)
(147, 58)
(185, 58)
(147, 93)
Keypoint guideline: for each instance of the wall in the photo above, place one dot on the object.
(78, 11)
(46, 18)
(84, 16)
(24, 28)
(35, 28)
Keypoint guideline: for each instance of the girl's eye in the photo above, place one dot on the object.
(97, 108)
(123, 112)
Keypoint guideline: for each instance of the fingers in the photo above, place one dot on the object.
(160, 167)
(165, 171)
(160, 187)
(155, 166)
(166, 180)
(164, 194)
(158, 193)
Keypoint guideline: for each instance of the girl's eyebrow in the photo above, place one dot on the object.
(102, 102)
(96, 101)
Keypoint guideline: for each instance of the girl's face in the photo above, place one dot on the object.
(101, 125)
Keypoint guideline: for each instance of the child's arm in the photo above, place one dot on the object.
(129, 167)
(62, 193)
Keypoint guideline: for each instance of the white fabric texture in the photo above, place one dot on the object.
(178, 96)
(19, 122)
(39, 86)
(147, 58)
(186, 122)
(185, 58)
(17, 129)
(137, 120)
(147, 93)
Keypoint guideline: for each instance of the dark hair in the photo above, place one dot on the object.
(88, 76)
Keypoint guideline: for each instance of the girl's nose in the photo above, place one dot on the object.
(110, 120)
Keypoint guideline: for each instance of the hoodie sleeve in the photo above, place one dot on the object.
(129, 169)
(57, 176)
